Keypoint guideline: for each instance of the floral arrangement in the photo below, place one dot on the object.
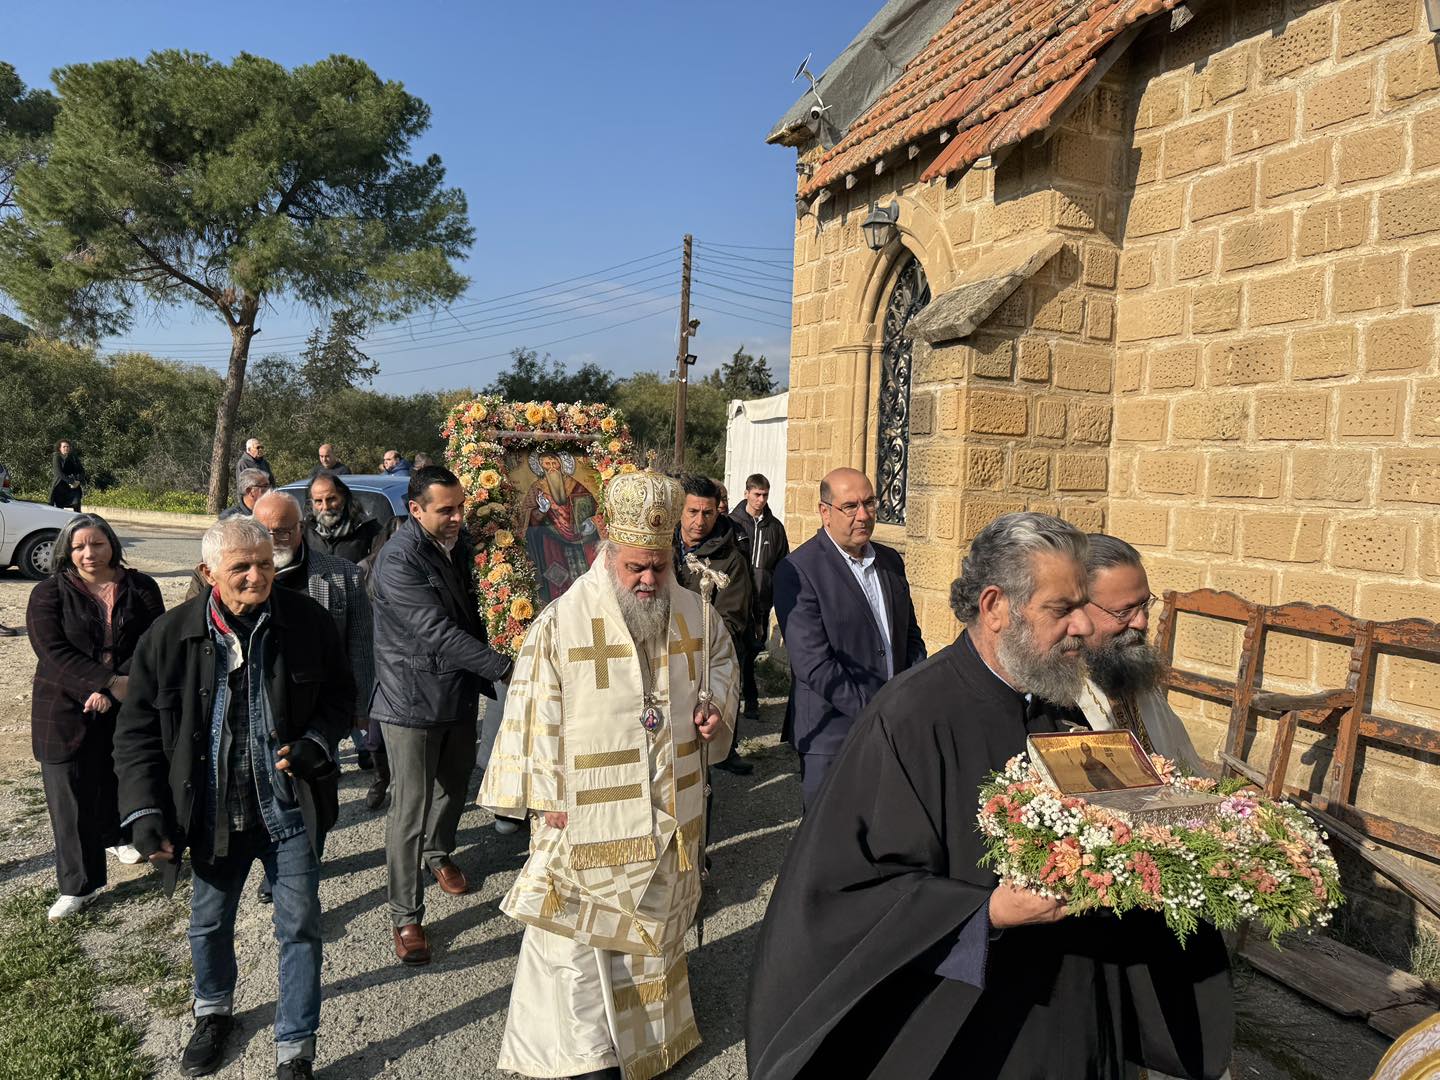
(479, 433)
(1253, 859)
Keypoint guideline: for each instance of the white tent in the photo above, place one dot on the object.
(755, 441)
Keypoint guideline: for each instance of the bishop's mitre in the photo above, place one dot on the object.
(642, 509)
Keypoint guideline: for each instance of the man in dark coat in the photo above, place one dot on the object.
(254, 458)
(848, 621)
(712, 538)
(336, 524)
(763, 542)
(67, 477)
(433, 660)
(226, 745)
(887, 951)
(251, 484)
(328, 462)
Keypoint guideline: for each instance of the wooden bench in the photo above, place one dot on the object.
(1344, 712)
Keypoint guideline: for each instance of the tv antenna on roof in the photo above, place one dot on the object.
(818, 110)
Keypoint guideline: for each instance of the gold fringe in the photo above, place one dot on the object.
(612, 853)
(553, 904)
(682, 852)
(657, 1061)
(652, 992)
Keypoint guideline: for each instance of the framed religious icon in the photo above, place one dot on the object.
(534, 474)
(1110, 769)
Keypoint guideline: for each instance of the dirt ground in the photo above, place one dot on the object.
(382, 1020)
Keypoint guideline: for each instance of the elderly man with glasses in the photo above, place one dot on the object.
(849, 624)
(1124, 687)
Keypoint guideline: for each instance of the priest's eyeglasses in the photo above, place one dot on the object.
(871, 505)
(1125, 616)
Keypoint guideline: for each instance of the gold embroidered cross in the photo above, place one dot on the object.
(600, 653)
(685, 644)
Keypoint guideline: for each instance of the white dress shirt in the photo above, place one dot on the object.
(868, 578)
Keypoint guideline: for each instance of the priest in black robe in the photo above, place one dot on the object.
(888, 952)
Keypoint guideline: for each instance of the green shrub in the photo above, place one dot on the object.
(136, 498)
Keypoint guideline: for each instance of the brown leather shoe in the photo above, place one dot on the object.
(449, 878)
(410, 944)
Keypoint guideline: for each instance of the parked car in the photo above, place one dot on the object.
(27, 534)
(381, 496)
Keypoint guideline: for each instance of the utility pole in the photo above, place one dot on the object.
(682, 357)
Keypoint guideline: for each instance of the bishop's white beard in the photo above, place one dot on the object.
(1054, 675)
(647, 620)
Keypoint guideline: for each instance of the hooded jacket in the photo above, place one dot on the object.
(722, 552)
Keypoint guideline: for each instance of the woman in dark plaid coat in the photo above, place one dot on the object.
(84, 622)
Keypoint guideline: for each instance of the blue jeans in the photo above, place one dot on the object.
(294, 874)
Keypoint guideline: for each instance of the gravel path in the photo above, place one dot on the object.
(379, 1019)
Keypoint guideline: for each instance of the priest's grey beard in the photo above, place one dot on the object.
(1054, 675)
(647, 620)
(283, 557)
(330, 518)
(1127, 663)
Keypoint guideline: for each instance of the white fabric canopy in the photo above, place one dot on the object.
(755, 441)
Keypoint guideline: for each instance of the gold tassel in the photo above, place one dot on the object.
(553, 905)
(651, 1064)
(682, 852)
(645, 938)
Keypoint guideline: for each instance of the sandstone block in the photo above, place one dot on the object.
(1168, 473)
(1366, 23)
(1284, 537)
(1401, 343)
(1205, 530)
(1034, 359)
(1255, 242)
(1410, 476)
(945, 516)
(1333, 590)
(1261, 123)
(1152, 315)
(1246, 475)
(1194, 146)
(1425, 410)
(1369, 155)
(1140, 421)
(1372, 543)
(984, 467)
(1215, 309)
(1340, 97)
(1081, 472)
(1303, 42)
(1371, 412)
(1224, 76)
(981, 512)
(1289, 297)
(940, 364)
(1062, 311)
(1333, 226)
(1083, 367)
(993, 413)
(1076, 210)
(1032, 469)
(1207, 641)
(1137, 268)
(1254, 585)
(1366, 284)
(1159, 103)
(1089, 422)
(917, 516)
(1156, 211)
(1409, 210)
(1139, 524)
(931, 566)
(1292, 415)
(1332, 476)
(1087, 519)
(922, 414)
(1100, 263)
(1050, 419)
(1174, 367)
(1194, 256)
(1424, 276)
(1099, 318)
(992, 358)
(1145, 160)
(1219, 417)
(1304, 168)
(935, 466)
(1324, 354)
(1246, 362)
(1173, 574)
(1425, 139)
(1081, 157)
(1127, 371)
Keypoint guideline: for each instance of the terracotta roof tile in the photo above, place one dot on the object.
(997, 72)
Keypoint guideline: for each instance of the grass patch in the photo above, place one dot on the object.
(50, 1025)
(1425, 956)
(772, 677)
(128, 497)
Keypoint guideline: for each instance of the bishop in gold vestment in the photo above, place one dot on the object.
(601, 745)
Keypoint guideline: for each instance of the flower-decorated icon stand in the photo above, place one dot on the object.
(534, 475)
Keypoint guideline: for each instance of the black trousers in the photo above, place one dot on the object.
(84, 814)
(749, 691)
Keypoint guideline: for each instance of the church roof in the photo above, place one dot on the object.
(996, 72)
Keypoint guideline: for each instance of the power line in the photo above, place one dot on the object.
(744, 247)
(710, 307)
(780, 264)
(739, 304)
(750, 272)
(737, 292)
(755, 283)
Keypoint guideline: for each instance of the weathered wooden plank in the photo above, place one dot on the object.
(1324, 701)
(1203, 685)
(1413, 883)
(1398, 1019)
(1399, 733)
(1343, 979)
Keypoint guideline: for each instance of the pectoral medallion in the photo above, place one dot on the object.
(651, 718)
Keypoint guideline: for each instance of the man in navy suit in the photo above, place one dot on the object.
(849, 624)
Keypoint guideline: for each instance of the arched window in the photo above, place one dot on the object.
(912, 292)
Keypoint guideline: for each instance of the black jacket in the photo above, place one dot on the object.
(763, 542)
(360, 539)
(339, 469)
(721, 551)
(248, 462)
(67, 632)
(836, 651)
(433, 658)
(161, 736)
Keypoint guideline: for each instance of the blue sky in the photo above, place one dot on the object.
(586, 136)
